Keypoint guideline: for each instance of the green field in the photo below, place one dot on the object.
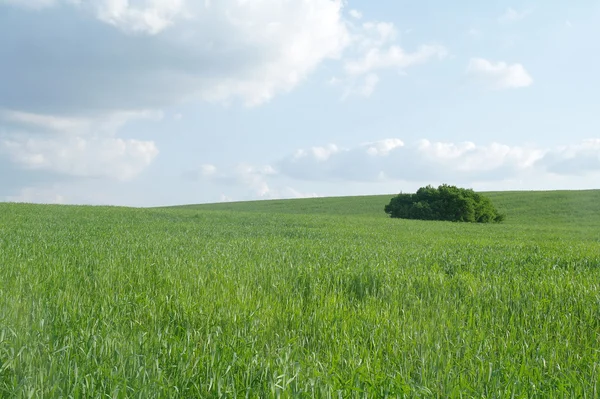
(301, 298)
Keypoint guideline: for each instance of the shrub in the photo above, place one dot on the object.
(446, 202)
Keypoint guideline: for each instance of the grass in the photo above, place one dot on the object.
(300, 298)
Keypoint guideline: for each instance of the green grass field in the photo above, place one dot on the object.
(301, 298)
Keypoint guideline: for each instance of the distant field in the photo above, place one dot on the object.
(301, 298)
(564, 207)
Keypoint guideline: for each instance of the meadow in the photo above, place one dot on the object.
(323, 298)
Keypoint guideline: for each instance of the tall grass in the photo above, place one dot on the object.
(192, 302)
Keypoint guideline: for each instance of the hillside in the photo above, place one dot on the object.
(571, 208)
(300, 298)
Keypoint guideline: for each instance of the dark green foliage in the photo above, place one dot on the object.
(446, 202)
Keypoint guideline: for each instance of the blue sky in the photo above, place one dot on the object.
(156, 102)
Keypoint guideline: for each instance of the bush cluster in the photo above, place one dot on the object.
(446, 202)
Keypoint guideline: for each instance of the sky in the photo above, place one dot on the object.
(165, 102)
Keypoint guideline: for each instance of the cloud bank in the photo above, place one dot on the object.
(66, 107)
(149, 54)
(421, 162)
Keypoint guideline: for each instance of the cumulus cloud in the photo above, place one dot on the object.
(50, 122)
(149, 16)
(374, 49)
(374, 34)
(65, 109)
(355, 14)
(392, 159)
(75, 146)
(576, 159)
(388, 162)
(318, 153)
(259, 180)
(499, 75)
(153, 53)
(81, 157)
(382, 147)
(106, 123)
(253, 177)
(221, 52)
(393, 57)
(37, 195)
(141, 16)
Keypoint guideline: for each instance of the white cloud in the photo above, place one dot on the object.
(499, 75)
(259, 180)
(389, 162)
(392, 159)
(108, 123)
(37, 195)
(355, 14)
(467, 157)
(76, 146)
(575, 159)
(250, 176)
(164, 52)
(375, 34)
(393, 57)
(146, 16)
(318, 153)
(374, 48)
(136, 17)
(50, 122)
(511, 15)
(295, 37)
(254, 177)
(81, 156)
(382, 147)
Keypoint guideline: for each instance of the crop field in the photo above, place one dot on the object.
(323, 298)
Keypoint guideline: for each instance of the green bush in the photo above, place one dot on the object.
(446, 202)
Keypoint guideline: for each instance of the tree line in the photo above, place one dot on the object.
(446, 202)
